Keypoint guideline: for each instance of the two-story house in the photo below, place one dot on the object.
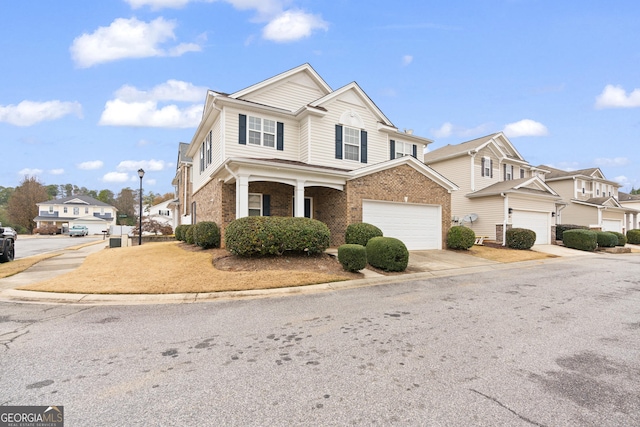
(162, 213)
(499, 189)
(76, 210)
(292, 146)
(631, 201)
(591, 199)
(182, 183)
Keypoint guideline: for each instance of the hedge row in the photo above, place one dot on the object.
(205, 234)
(633, 237)
(520, 238)
(360, 233)
(561, 228)
(460, 237)
(584, 240)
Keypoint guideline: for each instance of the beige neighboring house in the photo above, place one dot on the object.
(64, 213)
(182, 184)
(499, 189)
(592, 200)
(293, 146)
(162, 213)
(631, 201)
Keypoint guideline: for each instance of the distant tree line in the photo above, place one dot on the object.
(18, 205)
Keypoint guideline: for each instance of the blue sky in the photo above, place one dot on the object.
(92, 91)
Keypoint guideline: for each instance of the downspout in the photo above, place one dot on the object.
(473, 175)
(228, 169)
(505, 216)
(185, 172)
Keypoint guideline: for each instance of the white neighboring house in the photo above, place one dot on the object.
(162, 213)
(64, 213)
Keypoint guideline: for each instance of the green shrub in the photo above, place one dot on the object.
(606, 239)
(352, 257)
(561, 228)
(387, 253)
(271, 235)
(584, 240)
(633, 237)
(622, 239)
(207, 235)
(179, 232)
(460, 237)
(188, 234)
(520, 238)
(359, 233)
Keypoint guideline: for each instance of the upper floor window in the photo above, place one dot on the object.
(521, 173)
(51, 209)
(487, 167)
(262, 132)
(86, 210)
(202, 165)
(597, 190)
(403, 149)
(76, 211)
(508, 172)
(64, 209)
(163, 212)
(209, 148)
(351, 140)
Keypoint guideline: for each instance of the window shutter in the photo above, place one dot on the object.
(415, 151)
(242, 131)
(392, 149)
(482, 165)
(512, 177)
(491, 167)
(504, 174)
(266, 205)
(363, 146)
(338, 142)
(280, 136)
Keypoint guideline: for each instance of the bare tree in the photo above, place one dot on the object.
(22, 207)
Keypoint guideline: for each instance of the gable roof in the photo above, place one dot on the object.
(75, 200)
(183, 147)
(304, 68)
(499, 139)
(532, 186)
(559, 174)
(626, 197)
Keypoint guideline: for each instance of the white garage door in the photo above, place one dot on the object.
(612, 225)
(536, 221)
(419, 227)
(92, 226)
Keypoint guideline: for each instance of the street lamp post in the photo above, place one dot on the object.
(140, 174)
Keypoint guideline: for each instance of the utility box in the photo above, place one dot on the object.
(115, 242)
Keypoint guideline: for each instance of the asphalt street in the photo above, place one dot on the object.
(27, 246)
(554, 344)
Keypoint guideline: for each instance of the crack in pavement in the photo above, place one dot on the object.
(522, 417)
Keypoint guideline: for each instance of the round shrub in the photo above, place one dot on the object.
(622, 239)
(584, 240)
(271, 235)
(460, 237)
(179, 232)
(606, 239)
(633, 237)
(387, 253)
(207, 235)
(188, 234)
(520, 238)
(359, 233)
(352, 257)
(561, 228)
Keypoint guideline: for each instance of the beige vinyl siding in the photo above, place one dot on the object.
(579, 215)
(323, 134)
(566, 189)
(485, 181)
(456, 170)
(288, 95)
(490, 211)
(233, 149)
(608, 214)
(531, 204)
(216, 136)
(304, 140)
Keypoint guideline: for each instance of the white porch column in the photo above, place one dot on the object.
(299, 197)
(242, 196)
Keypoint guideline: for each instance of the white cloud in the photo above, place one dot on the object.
(56, 171)
(525, 127)
(616, 97)
(171, 90)
(158, 4)
(448, 129)
(90, 165)
(147, 165)
(611, 162)
(148, 114)
(127, 38)
(445, 130)
(293, 25)
(30, 172)
(407, 59)
(28, 113)
(117, 177)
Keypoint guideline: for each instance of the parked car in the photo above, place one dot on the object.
(78, 231)
(7, 248)
(8, 231)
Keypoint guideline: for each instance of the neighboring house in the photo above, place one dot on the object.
(182, 183)
(499, 189)
(592, 200)
(631, 201)
(292, 146)
(162, 213)
(64, 213)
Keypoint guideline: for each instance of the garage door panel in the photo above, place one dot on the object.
(612, 225)
(417, 226)
(536, 221)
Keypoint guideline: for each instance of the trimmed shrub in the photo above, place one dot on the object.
(606, 239)
(460, 237)
(272, 235)
(561, 228)
(352, 257)
(633, 237)
(520, 238)
(584, 240)
(387, 253)
(359, 233)
(207, 235)
(188, 234)
(179, 232)
(622, 239)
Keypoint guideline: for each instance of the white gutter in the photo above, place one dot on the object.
(505, 216)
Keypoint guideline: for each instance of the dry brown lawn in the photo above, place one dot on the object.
(502, 254)
(172, 267)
